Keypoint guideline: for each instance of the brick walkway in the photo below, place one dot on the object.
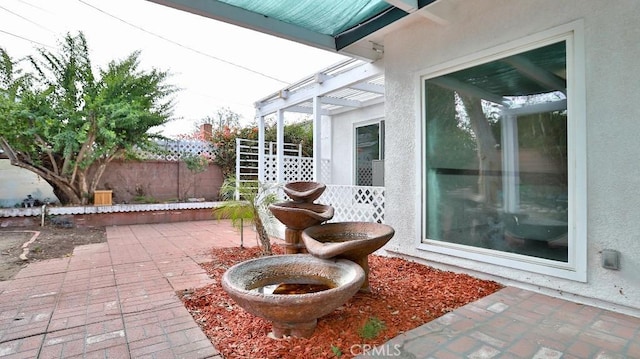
(117, 300)
(114, 299)
(519, 324)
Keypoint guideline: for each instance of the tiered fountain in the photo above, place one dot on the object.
(294, 289)
(300, 213)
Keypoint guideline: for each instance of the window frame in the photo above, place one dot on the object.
(576, 266)
(376, 121)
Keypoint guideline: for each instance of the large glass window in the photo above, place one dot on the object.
(496, 155)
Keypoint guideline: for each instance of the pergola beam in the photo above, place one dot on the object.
(536, 73)
(459, 86)
(368, 87)
(341, 102)
(365, 104)
(351, 78)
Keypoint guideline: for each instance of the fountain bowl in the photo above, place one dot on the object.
(301, 215)
(304, 191)
(248, 284)
(351, 240)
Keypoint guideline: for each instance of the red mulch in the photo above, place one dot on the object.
(404, 296)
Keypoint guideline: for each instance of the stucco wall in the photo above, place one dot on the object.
(612, 127)
(342, 137)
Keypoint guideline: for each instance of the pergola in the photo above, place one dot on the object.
(345, 86)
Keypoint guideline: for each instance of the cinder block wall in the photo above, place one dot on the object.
(160, 180)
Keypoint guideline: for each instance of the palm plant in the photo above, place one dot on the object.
(248, 201)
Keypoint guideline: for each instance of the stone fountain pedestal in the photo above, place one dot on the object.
(300, 213)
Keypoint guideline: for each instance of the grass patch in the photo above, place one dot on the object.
(371, 328)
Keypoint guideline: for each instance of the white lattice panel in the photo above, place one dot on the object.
(355, 203)
(295, 169)
(172, 150)
(350, 204)
(270, 169)
(365, 176)
(305, 172)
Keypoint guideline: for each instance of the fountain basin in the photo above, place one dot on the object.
(301, 215)
(350, 240)
(250, 284)
(304, 191)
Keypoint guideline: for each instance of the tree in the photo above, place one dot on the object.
(299, 133)
(224, 117)
(66, 124)
(226, 129)
(253, 206)
(195, 164)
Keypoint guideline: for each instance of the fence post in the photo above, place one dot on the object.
(237, 193)
(261, 156)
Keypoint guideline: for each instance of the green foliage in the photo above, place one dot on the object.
(252, 206)
(64, 122)
(195, 163)
(336, 351)
(224, 142)
(371, 328)
(298, 133)
(144, 199)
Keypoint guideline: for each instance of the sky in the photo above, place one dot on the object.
(216, 65)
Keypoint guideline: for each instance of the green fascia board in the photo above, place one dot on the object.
(348, 37)
(355, 34)
(234, 15)
(423, 3)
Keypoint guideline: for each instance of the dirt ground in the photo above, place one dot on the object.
(51, 242)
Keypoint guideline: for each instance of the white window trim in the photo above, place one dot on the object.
(576, 267)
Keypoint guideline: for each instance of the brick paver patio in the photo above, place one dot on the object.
(516, 323)
(118, 300)
(114, 299)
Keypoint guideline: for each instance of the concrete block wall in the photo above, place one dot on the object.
(160, 180)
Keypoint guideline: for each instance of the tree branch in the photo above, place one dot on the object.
(86, 148)
(49, 153)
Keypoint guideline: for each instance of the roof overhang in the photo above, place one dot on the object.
(354, 41)
(220, 11)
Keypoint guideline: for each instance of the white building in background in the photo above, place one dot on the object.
(17, 183)
(510, 137)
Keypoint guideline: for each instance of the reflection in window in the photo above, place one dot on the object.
(496, 155)
(368, 149)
